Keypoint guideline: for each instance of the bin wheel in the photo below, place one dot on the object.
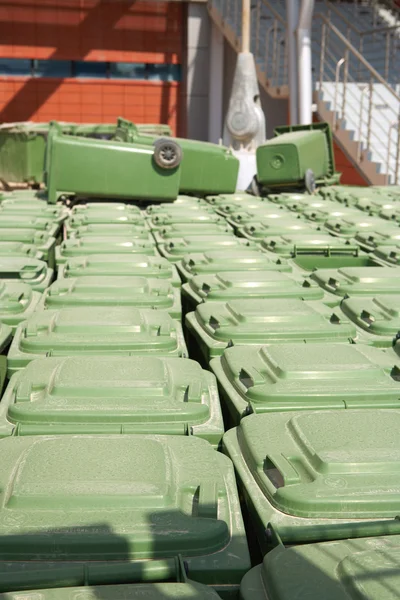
(254, 187)
(309, 181)
(167, 153)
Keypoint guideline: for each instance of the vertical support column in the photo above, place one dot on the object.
(304, 62)
(215, 98)
(292, 12)
(245, 25)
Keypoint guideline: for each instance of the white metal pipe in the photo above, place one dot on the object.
(292, 13)
(245, 25)
(215, 116)
(304, 71)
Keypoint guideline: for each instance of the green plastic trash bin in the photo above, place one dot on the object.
(177, 248)
(138, 394)
(214, 326)
(254, 204)
(290, 199)
(278, 378)
(30, 271)
(90, 167)
(358, 281)
(388, 255)
(383, 235)
(138, 232)
(218, 199)
(96, 331)
(20, 249)
(100, 210)
(267, 213)
(237, 285)
(40, 239)
(319, 475)
(103, 245)
(348, 227)
(219, 261)
(182, 203)
(351, 569)
(126, 265)
(91, 500)
(22, 148)
(36, 209)
(298, 155)
(377, 317)
(99, 290)
(187, 217)
(17, 302)
(260, 229)
(51, 227)
(170, 232)
(105, 218)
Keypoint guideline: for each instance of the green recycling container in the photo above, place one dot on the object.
(383, 235)
(126, 265)
(104, 218)
(325, 213)
(187, 217)
(35, 209)
(253, 204)
(388, 255)
(299, 203)
(99, 210)
(318, 251)
(20, 249)
(298, 155)
(267, 213)
(347, 194)
(17, 302)
(290, 199)
(377, 206)
(103, 245)
(263, 228)
(353, 195)
(241, 285)
(40, 239)
(99, 290)
(162, 235)
(182, 203)
(30, 271)
(219, 261)
(318, 475)
(377, 316)
(278, 378)
(92, 499)
(218, 199)
(351, 569)
(358, 281)
(51, 227)
(157, 576)
(214, 326)
(139, 394)
(90, 167)
(138, 232)
(176, 248)
(348, 227)
(205, 168)
(96, 331)
(22, 148)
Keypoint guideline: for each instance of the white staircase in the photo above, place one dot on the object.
(356, 72)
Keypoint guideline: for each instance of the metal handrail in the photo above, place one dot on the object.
(360, 121)
(393, 124)
(360, 32)
(339, 64)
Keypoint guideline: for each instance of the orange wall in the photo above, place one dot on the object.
(350, 175)
(95, 30)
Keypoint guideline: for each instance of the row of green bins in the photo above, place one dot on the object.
(205, 168)
(103, 501)
(120, 265)
(279, 378)
(318, 475)
(156, 579)
(98, 290)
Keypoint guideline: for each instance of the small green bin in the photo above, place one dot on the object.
(96, 500)
(266, 213)
(138, 232)
(187, 217)
(103, 245)
(138, 394)
(22, 149)
(214, 326)
(319, 475)
(123, 265)
(365, 568)
(279, 378)
(30, 271)
(105, 218)
(98, 290)
(377, 317)
(17, 302)
(253, 204)
(96, 331)
(169, 232)
(263, 228)
(177, 248)
(358, 281)
(349, 227)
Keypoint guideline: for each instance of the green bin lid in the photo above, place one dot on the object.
(132, 231)
(379, 315)
(93, 498)
(367, 568)
(245, 284)
(96, 331)
(382, 235)
(242, 259)
(19, 249)
(26, 222)
(38, 209)
(120, 395)
(27, 236)
(99, 290)
(252, 204)
(350, 226)
(388, 254)
(358, 281)
(177, 230)
(92, 209)
(322, 214)
(287, 198)
(280, 378)
(32, 271)
(257, 321)
(200, 217)
(17, 302)
(292, 244)
(236, 197)
(127, 265)
(103, 245)
(320, 475)
(263, 228)
(376, 204)
(181, 204)
(176, 248)
(105, 218)
(265, 212)
(390, 212)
